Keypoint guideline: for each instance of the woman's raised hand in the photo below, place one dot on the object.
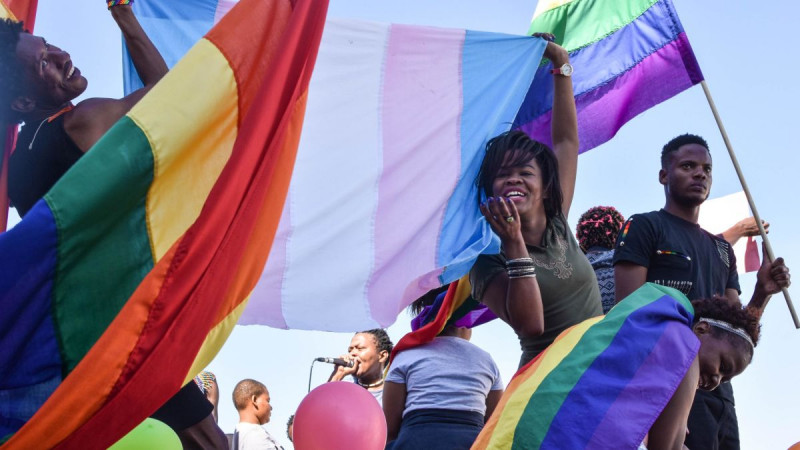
(503, 217)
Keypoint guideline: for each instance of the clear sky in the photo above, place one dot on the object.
(745, 50)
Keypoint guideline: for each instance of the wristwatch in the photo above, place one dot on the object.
(565, 70)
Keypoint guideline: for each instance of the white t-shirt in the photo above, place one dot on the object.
(255, 437)
(446, 373)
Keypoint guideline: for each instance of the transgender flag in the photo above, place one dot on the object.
(382, 204)
(628, 56)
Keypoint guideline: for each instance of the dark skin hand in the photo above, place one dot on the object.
(91, 118)
(517, 301)
(772, 276)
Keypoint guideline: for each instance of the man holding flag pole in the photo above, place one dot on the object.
(668, 247)
(646, 58)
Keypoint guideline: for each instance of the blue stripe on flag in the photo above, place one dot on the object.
(178, 24)
(489, 106)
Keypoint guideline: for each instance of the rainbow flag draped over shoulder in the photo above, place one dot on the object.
(603, 382)
(131, 272)
(629, 55)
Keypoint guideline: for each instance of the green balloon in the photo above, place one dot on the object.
(150, 434)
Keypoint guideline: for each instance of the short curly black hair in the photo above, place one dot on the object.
(382, 340)
(599, 227)
(289, 424)
(720, 308)
(11, 73)
(677, 142)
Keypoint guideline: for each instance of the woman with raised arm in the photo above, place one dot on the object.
(541, 282)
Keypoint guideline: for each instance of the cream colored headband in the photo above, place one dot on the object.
(728, 327)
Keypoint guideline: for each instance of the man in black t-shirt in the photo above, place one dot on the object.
(668, 247)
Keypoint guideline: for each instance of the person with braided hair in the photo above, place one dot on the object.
(540, 283)
(596, 233)
(369, 353)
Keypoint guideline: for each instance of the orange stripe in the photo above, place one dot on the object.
(239, 46)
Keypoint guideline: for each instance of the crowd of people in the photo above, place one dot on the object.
(544, 281)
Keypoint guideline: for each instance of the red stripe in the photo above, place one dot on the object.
(240, 44)
(24, 10)
(8, 148)
(426, 333)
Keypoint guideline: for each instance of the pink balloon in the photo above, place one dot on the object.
(339, 415)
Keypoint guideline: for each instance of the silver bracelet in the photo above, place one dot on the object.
(531, 275)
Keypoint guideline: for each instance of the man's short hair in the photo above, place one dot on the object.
(11, 73)
(245, 390)
(678, 142)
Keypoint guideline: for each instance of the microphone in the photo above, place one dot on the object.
(337, 361)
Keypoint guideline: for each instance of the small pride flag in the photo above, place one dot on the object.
(629, 55)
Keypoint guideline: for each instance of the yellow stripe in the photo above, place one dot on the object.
(5, 12)
(521, 389)
(191, 135)
(463, 291)
(214, 341)
(546, 5)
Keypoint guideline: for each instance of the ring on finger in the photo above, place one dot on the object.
(510, 219)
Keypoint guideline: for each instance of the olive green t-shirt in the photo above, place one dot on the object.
(567, 283)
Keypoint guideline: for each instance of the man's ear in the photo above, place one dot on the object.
(701, 328)
(23, 104)
(662, 176)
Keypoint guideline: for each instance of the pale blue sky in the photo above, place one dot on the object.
(746, 51)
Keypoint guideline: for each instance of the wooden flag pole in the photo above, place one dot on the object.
(739, 173)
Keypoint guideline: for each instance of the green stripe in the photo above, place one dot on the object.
(542, 406)
(581, 22)
(104, 249)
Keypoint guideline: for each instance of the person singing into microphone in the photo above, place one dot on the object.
(368, 351)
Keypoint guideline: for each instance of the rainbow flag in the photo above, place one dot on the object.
(603, 382)
(629, 55)
(382, 205)
(130, 282)
(24, 10)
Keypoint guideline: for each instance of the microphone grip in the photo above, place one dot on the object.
(336, 361)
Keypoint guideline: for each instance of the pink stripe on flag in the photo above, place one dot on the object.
(421, 127)
(265, 307)
(603, 110)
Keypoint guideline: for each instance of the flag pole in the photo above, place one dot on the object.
(752, 203)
